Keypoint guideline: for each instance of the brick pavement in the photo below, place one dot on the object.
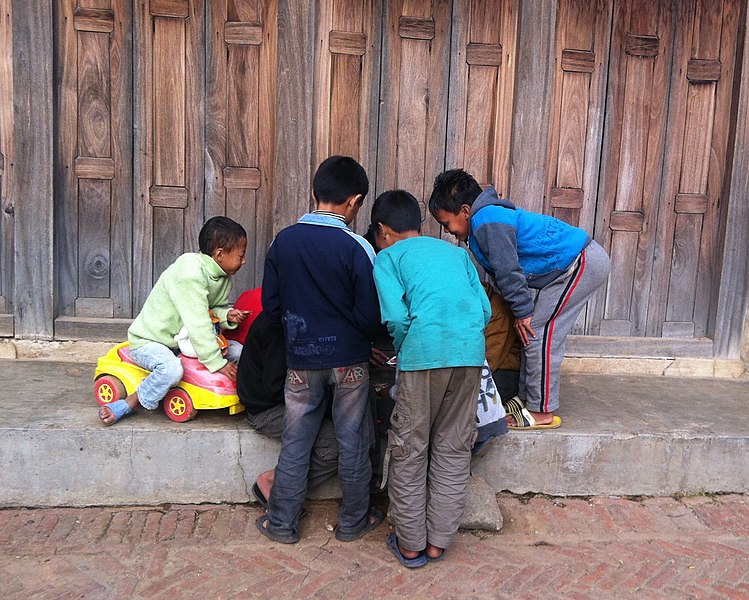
(691, 548)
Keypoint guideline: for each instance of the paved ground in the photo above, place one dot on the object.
(691, 548)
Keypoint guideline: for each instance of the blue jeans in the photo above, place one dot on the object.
(305, 409)
(166, 370)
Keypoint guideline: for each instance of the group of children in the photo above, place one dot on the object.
(323, 288)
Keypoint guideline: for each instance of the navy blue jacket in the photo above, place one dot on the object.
(318, 284)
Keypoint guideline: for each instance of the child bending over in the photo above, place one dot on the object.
(193, 285)
(524, 251)
(435, 310)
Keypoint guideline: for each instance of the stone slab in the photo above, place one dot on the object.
(621, 435)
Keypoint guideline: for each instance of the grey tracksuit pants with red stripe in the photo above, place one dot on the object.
(557, 308)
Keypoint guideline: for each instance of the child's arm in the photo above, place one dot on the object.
(498, 243)
(393, 306)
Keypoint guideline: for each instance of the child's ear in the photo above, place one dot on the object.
(465, 210)
(355, 201)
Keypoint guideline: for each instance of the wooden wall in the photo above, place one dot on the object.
(6, 169)
(614, 115)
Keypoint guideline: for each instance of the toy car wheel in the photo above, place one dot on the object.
(178, 405)
(108, 388)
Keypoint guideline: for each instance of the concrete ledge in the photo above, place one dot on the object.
(621, 435)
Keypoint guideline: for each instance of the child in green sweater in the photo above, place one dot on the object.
(196, 283)
(435, 310)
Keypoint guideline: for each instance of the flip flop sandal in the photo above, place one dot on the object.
(288, 537)
(513, 404)
(524, 420)
(411, 563)
(346, 536)
(120, 408)
(259, 496)
(432, 559)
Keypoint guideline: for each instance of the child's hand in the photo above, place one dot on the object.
(237, 316)
(378, 358)
(230, 370)
(524, 330)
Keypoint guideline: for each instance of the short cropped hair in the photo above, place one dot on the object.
(397, 209)
(220, 232)
(453, 189)
(338, 178)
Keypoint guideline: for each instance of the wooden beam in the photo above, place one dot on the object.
(31, 187)
(734, 276)
(294, 111)
(533, 97)
(91, 328)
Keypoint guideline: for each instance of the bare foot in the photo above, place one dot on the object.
(265, 482)
(409, 554)
(541, 418)
(434, 552)
(106, 414)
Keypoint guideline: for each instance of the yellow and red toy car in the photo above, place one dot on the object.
(117, 375)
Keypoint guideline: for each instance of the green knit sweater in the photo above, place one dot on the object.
(183, 295)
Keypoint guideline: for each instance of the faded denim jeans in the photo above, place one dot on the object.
(166, 370)
(305, 410)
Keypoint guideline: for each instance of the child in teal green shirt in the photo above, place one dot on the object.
(435, 309)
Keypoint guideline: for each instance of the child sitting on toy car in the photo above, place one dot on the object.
(196, 283)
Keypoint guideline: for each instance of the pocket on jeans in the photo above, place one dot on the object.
(296, 381)
(399, 435)
(352, 377)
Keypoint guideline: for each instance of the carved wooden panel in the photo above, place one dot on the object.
(632, 162)
(6, 170)
(169, 94)
(346, 85)
(413, 98)
(483, 56)
(94, 159)
(241, 123)
(687, 256)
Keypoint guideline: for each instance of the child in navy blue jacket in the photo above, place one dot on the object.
(318, 285)
(524, 251)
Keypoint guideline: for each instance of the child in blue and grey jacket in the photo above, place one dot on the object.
(435, 310)
(524, 251)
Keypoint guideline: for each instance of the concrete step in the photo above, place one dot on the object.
(621, 435)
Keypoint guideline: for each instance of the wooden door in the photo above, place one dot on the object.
(664, 155)
(93, 159)
(482, 82)
(6, 162)
(240, 123)
(169, 94)
(413, 98)
(346, 86)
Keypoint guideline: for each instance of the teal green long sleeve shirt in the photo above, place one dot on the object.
(432, 303)
(190, 287)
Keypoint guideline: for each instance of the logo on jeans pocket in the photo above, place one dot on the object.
(294, 378)
(353, 375)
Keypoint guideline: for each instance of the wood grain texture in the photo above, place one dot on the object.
(733, 293)
(94, 217)
(533, 97)
(31, 187)
(89, 19)
(346, 89)
(7, 218)
(169, 134)
(241, 124)
(414, 97)
(293, 142)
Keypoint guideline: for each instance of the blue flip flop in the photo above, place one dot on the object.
(120, 408)
(411, 563)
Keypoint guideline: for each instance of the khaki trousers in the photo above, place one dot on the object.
(432, 429)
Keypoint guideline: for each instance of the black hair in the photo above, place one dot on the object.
(397, 209)
(338, 178)
(453, 189)
(370, 237)
(220, 232)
